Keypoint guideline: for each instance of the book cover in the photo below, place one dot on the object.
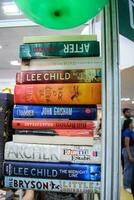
(62, 171)
(88, 112)
(56, 140)
(52, 185)
(74, 63)
(59, 38)
(52, 124)
(59, 76)
(70, 94)
(60, 49)
(53, 153)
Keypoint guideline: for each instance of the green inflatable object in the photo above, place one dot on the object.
(60, 14)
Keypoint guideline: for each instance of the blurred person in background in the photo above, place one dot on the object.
(128, 153)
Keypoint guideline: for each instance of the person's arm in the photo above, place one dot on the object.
(127, 143)
(29, 195)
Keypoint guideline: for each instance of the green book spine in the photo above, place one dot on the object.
(60, 49)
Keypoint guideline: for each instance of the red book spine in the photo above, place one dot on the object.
(74, 132)
(53, 124)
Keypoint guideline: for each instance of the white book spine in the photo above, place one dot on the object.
(52, 185)
(62, 64)
(52, 153)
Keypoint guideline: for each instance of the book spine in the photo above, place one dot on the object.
(45, 132)
(59, 38)
(59, 76)
(52, 185)
(62, 64)
(56, 112)
(68, 132)
(70, 94)
(63, 171)
(61, 49)
(52, 124)
(52, 153)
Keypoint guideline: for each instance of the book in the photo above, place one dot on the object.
(60, 49)
(52, 185)
(43, 132)
(59, 76)
(63, 132)
(52, 124)
(70, 94)
(58, 140)
(6, 131)
(53, 153)
(62, 171)
(88, 112)
(62, 63)
(59, 38)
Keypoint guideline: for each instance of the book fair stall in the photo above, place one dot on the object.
(60, 127)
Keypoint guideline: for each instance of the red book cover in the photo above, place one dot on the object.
(53, 124)
(68, 93)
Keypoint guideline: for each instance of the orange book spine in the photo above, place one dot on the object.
(71, 94)
(52, 124)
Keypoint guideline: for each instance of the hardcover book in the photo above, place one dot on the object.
(59, 38)
(62, 171)
(70, 94)
(52, 124)
(53, 153)
(60, 49)
(88, 112)
(52, 185)
(59, 76)
(62, 63)
(58, 140)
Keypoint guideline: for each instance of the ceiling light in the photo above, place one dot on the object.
(125, 99)
(10, 8)
(0, 46)
(15, 63)
(132, 102)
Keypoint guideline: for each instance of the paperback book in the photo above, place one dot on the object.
(62, 171)
(56, 140)
(52, 185)
(75, 112)
(52, 124)
(69, 94)
(59, 76)
(53, 153)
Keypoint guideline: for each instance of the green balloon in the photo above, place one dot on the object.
(60, 14)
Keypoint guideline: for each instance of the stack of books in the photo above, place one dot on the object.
(6, 131)
(55, 116)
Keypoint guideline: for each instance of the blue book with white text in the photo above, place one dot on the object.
(88, 112)
(63, 171)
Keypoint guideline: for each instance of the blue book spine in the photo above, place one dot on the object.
(52, 185)
(62, 171)
(56, 112)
